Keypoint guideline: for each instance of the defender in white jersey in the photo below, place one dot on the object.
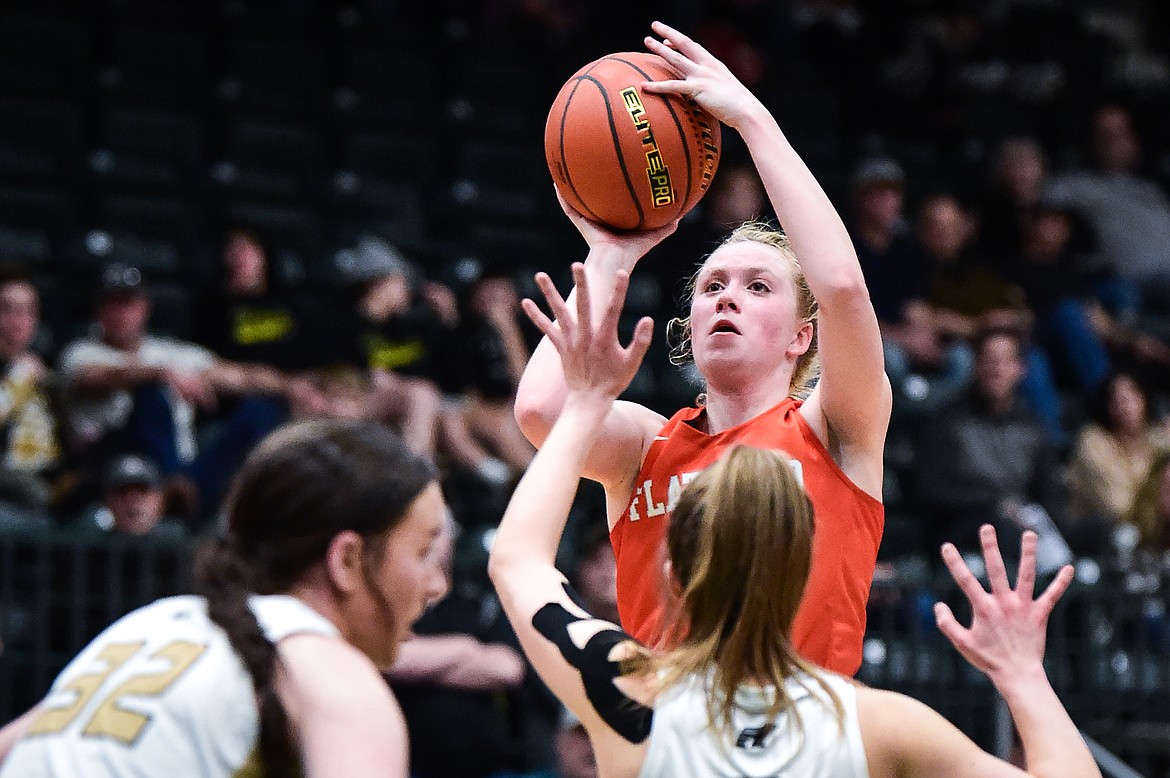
(733, 699)
(330, 557)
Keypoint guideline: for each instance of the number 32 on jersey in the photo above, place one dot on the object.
(111, 719)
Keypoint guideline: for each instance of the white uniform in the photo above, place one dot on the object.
(683, 744)
(159, 692)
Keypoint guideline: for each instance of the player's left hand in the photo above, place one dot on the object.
(701, 77)
(593, 359)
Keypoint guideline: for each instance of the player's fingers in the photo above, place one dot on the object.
(673, 58)
(996, 571)
(676, 87)
(640, 343)
(966, 581)
(1026, 576)
(542, 322)
(556, 303)
(1047, 601)
(949, 625)
(584, 299)
(609, 320)
(679, 41)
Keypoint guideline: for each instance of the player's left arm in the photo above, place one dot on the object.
(579, 657)
(14, 731)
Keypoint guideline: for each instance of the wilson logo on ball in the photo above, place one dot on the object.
(661, 192)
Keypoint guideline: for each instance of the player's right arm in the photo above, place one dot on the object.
(628, 428)
(346, 722)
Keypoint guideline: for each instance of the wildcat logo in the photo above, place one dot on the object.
(661, 190)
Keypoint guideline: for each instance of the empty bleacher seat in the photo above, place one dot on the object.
(39, 139)
(272, 77)
(271, 158)
(42, 54)
(34, 222)
(157, 66)
(144, 148)
(393, 157)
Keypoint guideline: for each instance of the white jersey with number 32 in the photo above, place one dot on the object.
(159, 692)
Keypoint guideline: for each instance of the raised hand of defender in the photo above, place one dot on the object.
(701, 76)
(592, 358)
(1009, 627)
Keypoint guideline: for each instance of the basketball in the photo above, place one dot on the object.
(625, 158)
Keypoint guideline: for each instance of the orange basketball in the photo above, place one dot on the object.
(626, 158)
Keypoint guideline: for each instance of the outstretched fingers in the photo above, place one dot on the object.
(963, 576)
(1047, 601)
(680, 42)
(1026, 576)
(556, 304)
(584, 299)
(542, 322)
(640, 343)
(613, 311)
(950, 626)
(996, 570)
(675, 60)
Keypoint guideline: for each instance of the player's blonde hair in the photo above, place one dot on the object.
(739, 544)
(679, 329)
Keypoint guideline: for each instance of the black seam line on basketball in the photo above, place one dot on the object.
(617, 147)
(564, 160)
(686, 146)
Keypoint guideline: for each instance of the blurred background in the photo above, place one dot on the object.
(218, 215)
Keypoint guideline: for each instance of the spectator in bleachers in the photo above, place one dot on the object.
(248, 317)
(1018, 173)
(132, 503)
(1129, 213)
(1150, 511)
(967, 295)
(29, 443)
(134, 392)
(927, 369)
(988, 459)
(1114, 450)
(391, 333)
(1054, 292)
(484, 359)
(457, 679)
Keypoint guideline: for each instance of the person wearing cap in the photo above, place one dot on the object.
(30, 451)
(392, 337)
(132, 502)
(137, 392)
(926, 370)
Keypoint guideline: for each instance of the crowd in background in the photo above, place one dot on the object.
(1002, 168)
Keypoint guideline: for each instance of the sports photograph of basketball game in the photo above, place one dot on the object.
(570, 389)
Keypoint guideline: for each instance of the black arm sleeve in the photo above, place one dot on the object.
(628, 718)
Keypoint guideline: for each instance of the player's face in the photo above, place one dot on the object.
(410, 574)
(743, 316)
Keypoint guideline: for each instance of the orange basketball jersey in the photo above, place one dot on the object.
(830, 624)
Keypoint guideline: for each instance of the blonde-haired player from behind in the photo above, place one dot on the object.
(733, 697)
(329, 558)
